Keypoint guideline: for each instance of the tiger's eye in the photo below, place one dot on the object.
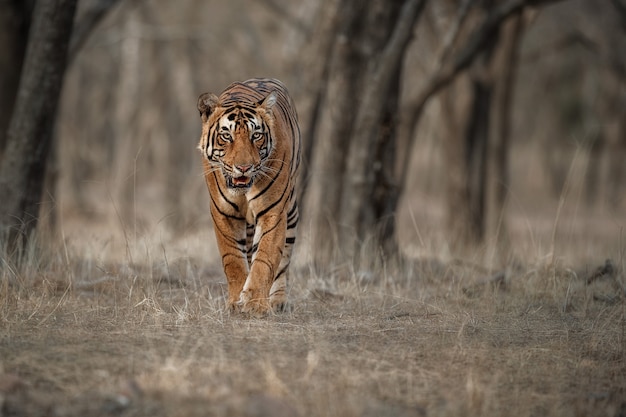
(257, 136)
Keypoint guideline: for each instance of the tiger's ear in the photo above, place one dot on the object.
(268, 102)
(207, 102)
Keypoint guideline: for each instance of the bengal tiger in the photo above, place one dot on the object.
(251, 155)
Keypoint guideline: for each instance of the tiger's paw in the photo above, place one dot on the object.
(278, 302)
(253, 303)
(233, 306)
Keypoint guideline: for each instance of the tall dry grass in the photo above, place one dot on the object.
(119, 312)
(107, 321)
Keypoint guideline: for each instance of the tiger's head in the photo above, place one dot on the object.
(236, 137)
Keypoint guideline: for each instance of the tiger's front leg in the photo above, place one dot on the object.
(270, 241)
(230, 233)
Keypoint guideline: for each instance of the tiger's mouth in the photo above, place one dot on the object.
(239, 182)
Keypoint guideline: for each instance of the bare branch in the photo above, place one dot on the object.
(394, 50)
(281, 11)
(87, 23)
(474, 45)
(467, 53)
(453, 34)
(570, 39)
(620, 6)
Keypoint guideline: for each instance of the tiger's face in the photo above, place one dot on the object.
(236, 139)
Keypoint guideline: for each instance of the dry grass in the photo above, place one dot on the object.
(121, 318)
(87, 331)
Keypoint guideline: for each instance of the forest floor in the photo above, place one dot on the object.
(94, 337)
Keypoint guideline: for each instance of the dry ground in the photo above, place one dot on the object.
(86, 336)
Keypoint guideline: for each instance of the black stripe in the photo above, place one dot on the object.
(270, 229)
(261, 261)
(290, 240)
(281, 272)
(235, 206)
(270, 183)
(293, 217)
(228, 238)
(254, 248)
(230, 216)
(292, 211)
(293, 223)
(271, 206)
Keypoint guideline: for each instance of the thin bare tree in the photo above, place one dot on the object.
(468, 146)
(30, 132)
(358, 174)
(355, 139)
(14, 26)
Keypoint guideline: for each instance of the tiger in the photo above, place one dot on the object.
(250, 144)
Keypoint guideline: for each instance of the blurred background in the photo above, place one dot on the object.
(519, 150)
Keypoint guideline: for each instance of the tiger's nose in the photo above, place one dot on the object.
(243, 168)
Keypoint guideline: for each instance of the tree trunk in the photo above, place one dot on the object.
(477, 158)
(14, 23)
(451, 66)
(504, 69)
(475, 140)
(322, 200)
(356, 140)
(312, 69)
(81, 31)
(126, 144)
(466, 157)
(388, 46)
(30, 132)
(380, 205)
(455, 102)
